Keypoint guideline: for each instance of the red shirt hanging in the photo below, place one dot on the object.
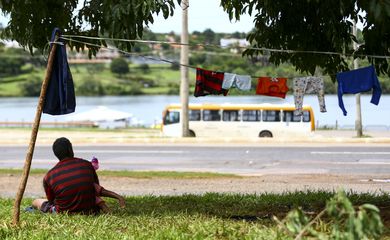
(274, 87)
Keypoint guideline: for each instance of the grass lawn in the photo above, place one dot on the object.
(165, 79)
(11, 87)
(209, 216)
(137, 174)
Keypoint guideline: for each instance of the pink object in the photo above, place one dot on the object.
(95, 163)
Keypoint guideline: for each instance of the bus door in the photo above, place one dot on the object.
(171, 123)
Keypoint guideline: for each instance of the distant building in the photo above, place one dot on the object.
(105, 53)
(234, 44)
(171, 39)
(10, 44)
(231, 42)
(102, 56)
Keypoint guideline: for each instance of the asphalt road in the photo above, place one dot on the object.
(225, 159)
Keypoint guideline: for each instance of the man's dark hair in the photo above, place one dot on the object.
(62, 148)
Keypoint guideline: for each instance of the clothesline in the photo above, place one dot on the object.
(218, 46)
(146, 57)
(216, 83)
(128, 53)
(211, 82)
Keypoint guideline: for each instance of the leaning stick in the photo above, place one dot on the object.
(34, 133)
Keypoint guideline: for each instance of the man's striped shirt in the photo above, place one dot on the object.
(70, 185)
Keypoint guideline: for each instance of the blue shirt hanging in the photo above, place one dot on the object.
(356, 81)
(60, 98)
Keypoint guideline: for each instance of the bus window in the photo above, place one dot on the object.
(289, 116)
(194, 115)
(306, 116)
(251, 115)
(211, 115)
(171, 117)
(271, 116)
(231, 115)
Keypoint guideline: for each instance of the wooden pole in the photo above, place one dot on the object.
(34, 133)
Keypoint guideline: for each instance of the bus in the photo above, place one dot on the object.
(238, 120)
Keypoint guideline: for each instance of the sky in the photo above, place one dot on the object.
(202, 14)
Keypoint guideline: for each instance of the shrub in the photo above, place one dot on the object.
(32, 87)
(145, 68)
(343, 221)
(119, 66)
(90, 87)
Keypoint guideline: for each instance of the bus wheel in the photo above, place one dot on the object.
(266, 134)
(191, 134)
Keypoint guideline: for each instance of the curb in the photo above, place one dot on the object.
(22, 137)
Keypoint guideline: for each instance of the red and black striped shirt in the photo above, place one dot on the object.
(70, 185)
(209, 82)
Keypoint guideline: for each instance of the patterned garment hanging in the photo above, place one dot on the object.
(308, 85)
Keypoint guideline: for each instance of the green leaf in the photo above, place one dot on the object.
(165, 11)
(370, 207)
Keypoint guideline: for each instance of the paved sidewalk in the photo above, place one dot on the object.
(151, 136)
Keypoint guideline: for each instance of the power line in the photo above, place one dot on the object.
(146, 57)
(289, 51)
(128, 53)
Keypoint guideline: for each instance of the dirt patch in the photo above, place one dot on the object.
(245, 185)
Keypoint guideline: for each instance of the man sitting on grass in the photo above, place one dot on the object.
(72, 184)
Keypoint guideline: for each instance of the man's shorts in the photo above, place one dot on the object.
(48, 207)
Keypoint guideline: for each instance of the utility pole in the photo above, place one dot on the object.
(184, 70)
(358, 120)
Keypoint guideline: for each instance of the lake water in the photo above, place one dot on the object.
(148, 109)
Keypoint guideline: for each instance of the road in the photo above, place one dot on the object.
(250, 160)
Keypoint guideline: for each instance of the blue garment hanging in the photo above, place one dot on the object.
(356, 81)
(60, 98)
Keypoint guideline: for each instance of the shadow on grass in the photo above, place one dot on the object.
(244, 207)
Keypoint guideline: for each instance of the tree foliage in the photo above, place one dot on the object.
(31, 22)
(304, 25)
(313, 25)
(11, 66)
